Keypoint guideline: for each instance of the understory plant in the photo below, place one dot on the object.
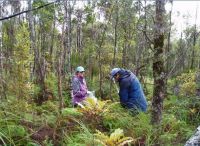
(116, 138)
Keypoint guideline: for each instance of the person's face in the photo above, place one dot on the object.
(81, 74)
(116, 77)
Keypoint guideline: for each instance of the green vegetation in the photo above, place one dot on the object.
(39, 51)
(98, 123)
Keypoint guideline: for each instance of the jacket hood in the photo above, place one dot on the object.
(124, 74)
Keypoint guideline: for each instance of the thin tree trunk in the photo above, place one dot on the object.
(115, 44)
(68, 34)
(2, 82)
(168, 47)
(99, 62)
(158, 64)
(124, 51)
(64, 36)
(32, 38)
(1, 52)
(39, 62)
(69, 31)
(100, 74)
(78, 32)
(52, 40)
(194, 43)
(169, 37)
(60, 84)
(69, 38)
(116, 34)
(181, 65)
(99, 55)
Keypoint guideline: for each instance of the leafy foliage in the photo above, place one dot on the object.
(187, 83)
(92, 106)
(90, 42)
(115, 139)
(71, 112)
(93, 111)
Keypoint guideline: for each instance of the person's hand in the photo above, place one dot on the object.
(89, 92)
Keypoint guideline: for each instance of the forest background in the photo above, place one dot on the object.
(42, 42)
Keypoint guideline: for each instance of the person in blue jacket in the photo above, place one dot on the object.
(131, 93)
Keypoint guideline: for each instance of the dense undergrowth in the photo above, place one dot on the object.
(101, 123)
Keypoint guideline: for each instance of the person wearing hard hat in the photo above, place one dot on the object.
(131, 93)
(79, 86)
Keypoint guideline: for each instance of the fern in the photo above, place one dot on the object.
(115, 136)
(71, 112)
(115, 139)
(94, 106)
(2, 137)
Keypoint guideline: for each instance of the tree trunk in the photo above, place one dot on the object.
(124, 51)
(52, 41)
(60, 84)
(116, 34)
(168, 48)
(15, 8)
(68, 34)
(64, 38)
(100, 73)
(2, 82)
(79, 32)
(115, 44)
(39, 68)
(69, 38)
(168, 39)
(100, 44)
(1, 52)
(158, 64)
(32, 39)
(194, 43)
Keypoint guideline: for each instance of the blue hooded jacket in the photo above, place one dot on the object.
(131, 93)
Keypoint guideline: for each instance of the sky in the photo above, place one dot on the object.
(182, 9)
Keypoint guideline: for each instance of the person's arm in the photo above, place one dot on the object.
(123, 93)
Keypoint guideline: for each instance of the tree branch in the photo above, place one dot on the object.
(14, 15)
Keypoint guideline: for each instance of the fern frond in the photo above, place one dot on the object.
(90, 102)
(117, 134)
(101, 136)
(100, 142)
(124, 141)
(115, 139)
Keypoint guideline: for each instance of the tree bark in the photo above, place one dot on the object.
(158, 64)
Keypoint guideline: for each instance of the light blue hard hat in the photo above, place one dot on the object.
(114, 71)
(80, 69)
